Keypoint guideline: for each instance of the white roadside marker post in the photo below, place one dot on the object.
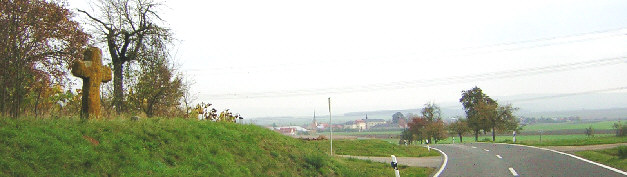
(331, 126)
(514, 137)
(394, 164)
(428, 148)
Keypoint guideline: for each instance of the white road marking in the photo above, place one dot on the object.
(486, 150)
(573, 156)
(513, 171)
(473, 147)
(499, 156)
(443, 163)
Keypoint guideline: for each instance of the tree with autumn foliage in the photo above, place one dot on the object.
(39, 41)
(459, 128)
(429, 126)
(158, 89)
(497, 118)
(484, 113)
(471, 99)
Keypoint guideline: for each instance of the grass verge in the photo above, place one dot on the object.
(373, 147)
(610, 157)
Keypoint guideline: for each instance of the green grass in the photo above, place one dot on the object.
(395, 132)
(574, 140)
(356, 167)
(164, 147)
(608, 157)
(547, 140)
(604, 125)
(374, 147)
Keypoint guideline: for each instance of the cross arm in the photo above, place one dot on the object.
(79, 69)
(106, 74)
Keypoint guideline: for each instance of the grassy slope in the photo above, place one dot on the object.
(608, 157)
(164, 147)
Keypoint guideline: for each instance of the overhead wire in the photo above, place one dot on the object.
(553, 96)
(491, 48)
(430, 82)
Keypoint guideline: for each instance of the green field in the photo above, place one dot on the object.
(604, 125)
(166, 147)
(547, 140)
(608, 157)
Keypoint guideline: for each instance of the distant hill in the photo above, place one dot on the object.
(585, 106)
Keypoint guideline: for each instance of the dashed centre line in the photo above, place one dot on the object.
(499, 156)
(486, 150)
(473, 147)
(513, 171)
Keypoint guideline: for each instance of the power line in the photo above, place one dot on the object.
(567, 94)
(557, 96)
(506, 46)
(618, 31)
(430, 82)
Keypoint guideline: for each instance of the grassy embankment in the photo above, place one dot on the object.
(166, 147)
(614, 157)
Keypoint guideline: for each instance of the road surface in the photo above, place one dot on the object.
(487, 159)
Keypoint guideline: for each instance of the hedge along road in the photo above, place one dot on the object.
(486, 159)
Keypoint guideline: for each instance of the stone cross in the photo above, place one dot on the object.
(93, 73)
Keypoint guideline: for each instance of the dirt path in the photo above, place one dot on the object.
(431, 162)
(584, 148)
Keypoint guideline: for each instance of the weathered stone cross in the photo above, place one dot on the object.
(92, 72)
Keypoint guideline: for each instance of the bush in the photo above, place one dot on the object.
(315, 160)
(622, 152)
(589, 131)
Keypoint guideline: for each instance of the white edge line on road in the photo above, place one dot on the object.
(513, 171)
(486, 150)
(499, 156)
(574, 156)
(437, 174)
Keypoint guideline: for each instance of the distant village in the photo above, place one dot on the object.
(359, 125)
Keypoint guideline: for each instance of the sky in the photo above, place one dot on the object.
(286, 58)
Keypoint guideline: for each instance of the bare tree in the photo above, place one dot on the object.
(124, 25)
(188, 96)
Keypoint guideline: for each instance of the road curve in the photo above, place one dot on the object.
(487, 159)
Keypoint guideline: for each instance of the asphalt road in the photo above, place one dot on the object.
(487, 159)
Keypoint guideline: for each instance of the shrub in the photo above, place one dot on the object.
(622, 152)
(315, 160)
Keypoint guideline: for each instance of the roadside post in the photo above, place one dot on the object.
(394, 164)
(428, 148)
(514, 137)
(540, 136)
(331, 126)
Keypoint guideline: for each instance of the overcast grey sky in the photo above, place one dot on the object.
(245, 55)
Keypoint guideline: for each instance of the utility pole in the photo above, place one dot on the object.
(331, 126)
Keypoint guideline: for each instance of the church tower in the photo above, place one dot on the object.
(314, 123)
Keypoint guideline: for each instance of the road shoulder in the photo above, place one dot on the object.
(430, 162)
(584, 148)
